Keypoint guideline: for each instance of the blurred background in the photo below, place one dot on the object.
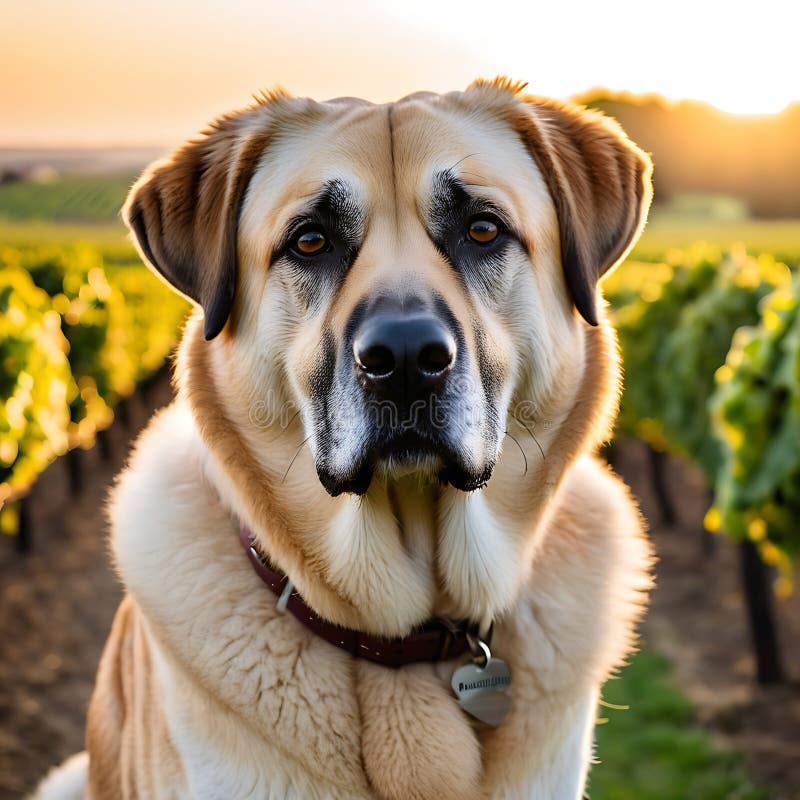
(707, 306)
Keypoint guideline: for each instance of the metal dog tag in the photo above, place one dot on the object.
(484, 691)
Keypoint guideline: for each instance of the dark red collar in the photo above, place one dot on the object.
(436, 640)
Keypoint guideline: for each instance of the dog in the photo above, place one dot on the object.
(388, 403)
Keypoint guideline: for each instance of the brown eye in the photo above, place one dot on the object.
(311, 242)
(483, 230)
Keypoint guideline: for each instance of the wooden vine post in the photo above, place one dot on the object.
(757, 586)
(658, 470)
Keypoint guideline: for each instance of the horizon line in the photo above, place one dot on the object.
(593, 93)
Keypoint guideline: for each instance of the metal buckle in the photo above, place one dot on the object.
(478, 647)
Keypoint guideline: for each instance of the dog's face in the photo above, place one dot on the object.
(406, 278)
(395, 242)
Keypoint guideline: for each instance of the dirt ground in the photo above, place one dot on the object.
(57, 603)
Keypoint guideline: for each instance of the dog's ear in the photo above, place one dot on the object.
(600, 183)
(184, 213)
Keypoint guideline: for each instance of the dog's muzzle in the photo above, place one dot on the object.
(403, 362)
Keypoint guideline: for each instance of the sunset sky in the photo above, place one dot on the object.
(99, 72)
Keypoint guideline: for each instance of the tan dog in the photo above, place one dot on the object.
(400, 373)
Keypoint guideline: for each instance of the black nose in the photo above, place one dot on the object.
(404, 356)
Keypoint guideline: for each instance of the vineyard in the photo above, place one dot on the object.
(80, 328)
(702, 335)
(711, 348)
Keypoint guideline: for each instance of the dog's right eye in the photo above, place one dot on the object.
(483, 229)
(310, 242)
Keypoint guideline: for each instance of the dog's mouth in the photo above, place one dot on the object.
(407, 450)
(403, 453)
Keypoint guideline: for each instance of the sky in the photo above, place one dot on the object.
(104, 72)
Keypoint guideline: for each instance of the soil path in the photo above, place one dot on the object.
(57, 603)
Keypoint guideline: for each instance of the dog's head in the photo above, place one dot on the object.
(408, 277)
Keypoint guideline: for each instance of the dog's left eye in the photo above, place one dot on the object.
(483, 229)
(310, 242)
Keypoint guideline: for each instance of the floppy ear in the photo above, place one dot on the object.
(184, 213)
(600, 183)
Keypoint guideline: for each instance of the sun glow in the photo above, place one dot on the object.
(767, 103)
(92, 72)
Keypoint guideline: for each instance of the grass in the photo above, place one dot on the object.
(111, 238)
(86, 198)
(653, 751)
(664, 231)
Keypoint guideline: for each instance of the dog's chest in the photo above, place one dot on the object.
(257, 706)
(293, 717)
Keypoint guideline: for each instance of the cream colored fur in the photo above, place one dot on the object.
(264, 709)
(205, 689)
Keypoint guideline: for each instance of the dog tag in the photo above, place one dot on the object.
(484, 692)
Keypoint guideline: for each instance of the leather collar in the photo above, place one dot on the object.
(436, 640)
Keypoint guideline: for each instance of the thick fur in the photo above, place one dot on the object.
(205, 690)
